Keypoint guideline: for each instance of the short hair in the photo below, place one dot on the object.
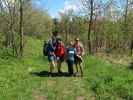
(71, 43)
(55, 33)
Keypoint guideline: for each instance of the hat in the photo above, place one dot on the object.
(77, 39)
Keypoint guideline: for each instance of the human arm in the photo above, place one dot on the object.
(82, 50)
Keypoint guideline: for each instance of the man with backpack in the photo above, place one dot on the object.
(49, 48)
(50, 55)
(59, 53)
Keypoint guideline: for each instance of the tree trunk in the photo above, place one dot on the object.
(131, 48)
(90, 26)
(21, 29)
(67, 32)
(125, 22)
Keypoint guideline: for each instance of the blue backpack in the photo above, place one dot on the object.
(45, 46)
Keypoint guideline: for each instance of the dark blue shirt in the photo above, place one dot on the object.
(50, 49)
(71, 52)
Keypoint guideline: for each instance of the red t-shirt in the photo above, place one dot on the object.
(60, 50)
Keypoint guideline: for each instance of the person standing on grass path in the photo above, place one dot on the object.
(80, 53)
(59, 53)
(49, 49)
(70, 57)
(51, 56)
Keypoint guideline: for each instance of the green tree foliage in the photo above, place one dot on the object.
(37, 22)
(72, 25)
(17, 20)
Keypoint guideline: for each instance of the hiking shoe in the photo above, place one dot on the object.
(50, 74)
(60, 72)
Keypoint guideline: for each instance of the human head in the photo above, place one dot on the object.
(55, 33)
(59, 40)
(77, 40)
(71, 43)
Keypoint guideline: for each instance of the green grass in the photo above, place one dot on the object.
(101, 81)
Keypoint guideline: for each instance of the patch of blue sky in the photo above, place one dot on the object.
(55, 6)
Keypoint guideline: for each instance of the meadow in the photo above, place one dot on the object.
(27, 79)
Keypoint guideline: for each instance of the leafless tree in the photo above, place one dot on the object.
(21, 27)
(89, 6)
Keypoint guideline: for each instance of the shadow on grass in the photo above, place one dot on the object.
(130, 66)
(47, 74)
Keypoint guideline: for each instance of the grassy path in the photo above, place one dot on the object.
(102, 80)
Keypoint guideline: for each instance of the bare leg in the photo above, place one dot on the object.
(59, 66)
(76, 67)
(52, 65)
(81, 68)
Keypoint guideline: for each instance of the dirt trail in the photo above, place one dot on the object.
(37, 95)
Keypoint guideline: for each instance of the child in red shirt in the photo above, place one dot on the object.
(59, 53)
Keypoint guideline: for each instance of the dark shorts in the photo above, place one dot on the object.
(51, 58)
(61, 59)
(70, 62)
(77, 60)
(70, 66)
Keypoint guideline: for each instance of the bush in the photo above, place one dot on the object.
(5, 53)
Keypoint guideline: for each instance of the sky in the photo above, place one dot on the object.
(56, 6)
